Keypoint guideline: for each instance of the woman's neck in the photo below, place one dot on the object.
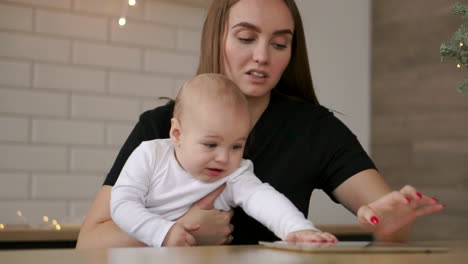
(257, 106)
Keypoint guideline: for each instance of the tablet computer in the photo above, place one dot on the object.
(355, 247)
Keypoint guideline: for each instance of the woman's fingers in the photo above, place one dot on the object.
(228, 240)
(368, 217)
(190, 240)
(207, 202)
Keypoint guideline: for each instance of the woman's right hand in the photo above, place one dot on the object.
(215, 225)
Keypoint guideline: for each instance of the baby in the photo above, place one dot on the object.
(162, 178)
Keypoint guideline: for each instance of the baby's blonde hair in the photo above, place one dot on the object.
(209, 88)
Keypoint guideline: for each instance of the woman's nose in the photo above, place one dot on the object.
(260, 54)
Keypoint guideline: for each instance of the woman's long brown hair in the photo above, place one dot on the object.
(296, 80)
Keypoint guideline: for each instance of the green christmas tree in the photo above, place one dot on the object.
(456, 49)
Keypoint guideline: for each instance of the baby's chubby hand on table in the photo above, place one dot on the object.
(310, 236)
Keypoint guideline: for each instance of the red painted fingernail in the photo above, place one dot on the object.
(374, 220)
(419, 195)
(408, 199)
(435, 199)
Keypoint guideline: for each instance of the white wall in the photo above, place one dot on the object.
(72, 84)
(338, 39)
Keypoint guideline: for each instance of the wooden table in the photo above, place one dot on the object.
(21, 237)
(228, 255)
(33, 238)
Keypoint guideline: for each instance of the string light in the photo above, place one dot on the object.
(461, 44)
(58, 227)
(458, 65)
(2, 226)
(54, 222)
(122, 21)
(45, 218)
(131, 2)
(19, 213)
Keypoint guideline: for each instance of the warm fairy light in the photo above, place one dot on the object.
(131, 2)
(54, 222)
(458, 65)
(58, 227)
(122, 21)
(2, 226)
(19, 213)
(461, 44)
(45, 218)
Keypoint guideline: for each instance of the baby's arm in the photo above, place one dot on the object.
(271, 208)
(128, 200)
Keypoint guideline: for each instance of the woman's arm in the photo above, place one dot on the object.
(389, 214)
(98, 230)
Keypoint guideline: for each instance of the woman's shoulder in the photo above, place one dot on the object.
(296, 108)
(158, 114)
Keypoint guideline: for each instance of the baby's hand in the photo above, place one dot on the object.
(309, 236)
(179, 236)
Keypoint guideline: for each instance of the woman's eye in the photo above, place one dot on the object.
(246, 40)
(210, 145)
(279, 46)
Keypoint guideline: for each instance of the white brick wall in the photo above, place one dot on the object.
(72, 85)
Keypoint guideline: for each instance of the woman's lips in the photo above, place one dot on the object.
(256, 79)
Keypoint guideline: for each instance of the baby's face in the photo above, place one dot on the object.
(212, 141)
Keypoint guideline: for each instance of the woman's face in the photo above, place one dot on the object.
(257, 45)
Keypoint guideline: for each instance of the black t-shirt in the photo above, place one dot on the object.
(296, 147)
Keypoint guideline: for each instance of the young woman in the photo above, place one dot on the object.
(295, 144)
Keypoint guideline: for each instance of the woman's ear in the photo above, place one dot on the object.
(175, 131)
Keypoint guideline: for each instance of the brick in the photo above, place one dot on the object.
(174, 63)
(65, 4)
(107, 56)
(175, 14)
(33, 103)
(134, 84)
(15, 17)
(178, 85)
(71, 186)
(188, 40)
(118, 133)
(15, 73)
(92, 159)
(34, 47)
(143, 34)
(79, 209)
(32, 211)
(109, 7)
(72, 25)
(103, 108)
(14, 129)
(67, 132)
(69, 78)
(14, 185)
(23, 157)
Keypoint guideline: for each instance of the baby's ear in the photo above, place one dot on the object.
(175, 132)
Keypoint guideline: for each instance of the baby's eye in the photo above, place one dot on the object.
(210, 145)
(237, 146)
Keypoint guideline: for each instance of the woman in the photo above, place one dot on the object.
(296, 145)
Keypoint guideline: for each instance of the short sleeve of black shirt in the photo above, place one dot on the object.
(151, 125)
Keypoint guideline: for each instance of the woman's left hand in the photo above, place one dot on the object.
(396, 210)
